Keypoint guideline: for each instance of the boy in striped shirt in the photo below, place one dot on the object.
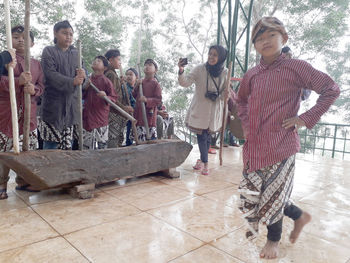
(268, 103)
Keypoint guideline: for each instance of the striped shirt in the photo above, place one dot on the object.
(268, 95)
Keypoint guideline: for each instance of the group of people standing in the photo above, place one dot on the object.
(54, 82)
(268, 101)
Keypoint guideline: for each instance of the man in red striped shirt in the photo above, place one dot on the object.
(268, 103)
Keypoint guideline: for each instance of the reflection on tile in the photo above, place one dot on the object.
(150, 195)
(328, 225)
(227, 174)
(327, 199)
(20, 227)
(201, 217)
(302, 190)
(50, 250)
(314, 249)
(228, 196)
(124, 182)
(45, 196)
(139, 238)
(206, 253)
(70, 215)
(236, 244)
(12, 202)
(198, 184)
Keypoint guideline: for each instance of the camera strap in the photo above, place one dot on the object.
(216, 85)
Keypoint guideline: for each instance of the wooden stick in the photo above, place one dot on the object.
(27, 96)
(80, 100)
(11, 81)
(143, 106)
(121, 111)
(224, 117)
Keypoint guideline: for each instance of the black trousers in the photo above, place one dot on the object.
(274, 231)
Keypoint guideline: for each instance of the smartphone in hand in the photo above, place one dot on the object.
(183, 61)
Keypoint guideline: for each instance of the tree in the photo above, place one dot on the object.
(44, 14)
(100, 29)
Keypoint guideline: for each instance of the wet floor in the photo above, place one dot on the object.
(190, 219)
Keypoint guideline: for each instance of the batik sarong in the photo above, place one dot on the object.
(265, 193)
(49, 133)
(141, 133)
(96, 139)
(116, 124)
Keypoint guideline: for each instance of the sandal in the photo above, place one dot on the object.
(26, 188)
(212, 151)
(3, 194)
(205, 171)
(198, 165)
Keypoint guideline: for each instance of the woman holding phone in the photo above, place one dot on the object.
(205, 113)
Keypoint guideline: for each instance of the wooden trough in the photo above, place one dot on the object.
(57, 168)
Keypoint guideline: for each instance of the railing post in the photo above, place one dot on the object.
(346, 132)
(334, 140)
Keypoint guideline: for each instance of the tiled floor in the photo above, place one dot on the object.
(190, 219)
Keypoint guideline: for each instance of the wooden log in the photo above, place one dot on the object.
(14, 116)
(53, 168)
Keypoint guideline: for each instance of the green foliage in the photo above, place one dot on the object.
(100, 29)
(44, 14)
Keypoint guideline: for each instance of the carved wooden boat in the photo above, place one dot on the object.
(53, 168)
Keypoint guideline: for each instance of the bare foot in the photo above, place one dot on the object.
(298, 226)
(270, 250)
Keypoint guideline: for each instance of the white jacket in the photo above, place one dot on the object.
(204, 113)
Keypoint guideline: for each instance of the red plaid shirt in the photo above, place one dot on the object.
(268, 95)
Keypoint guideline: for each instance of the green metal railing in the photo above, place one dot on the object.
(326, 139)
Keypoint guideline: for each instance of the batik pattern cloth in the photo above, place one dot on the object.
(265, 192)
(96, 139)
(64, 138)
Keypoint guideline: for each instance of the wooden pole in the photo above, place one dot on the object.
(143, 106)
(121, 111)
(224, 116)
(80, 100)
(27, 97)
(11, 81)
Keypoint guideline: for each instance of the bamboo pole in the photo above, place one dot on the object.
(143, 106)
(80, 100)
(11, 81)
(121, 111)
(224, 116)
(27, 97)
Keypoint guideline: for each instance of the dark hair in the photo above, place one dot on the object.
(135, 71)
(112, 53)
(151, 61)
(286, 49)
(20, 29)
(104, 60)
(61, 25)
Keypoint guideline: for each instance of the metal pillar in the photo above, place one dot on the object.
(233, 27)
